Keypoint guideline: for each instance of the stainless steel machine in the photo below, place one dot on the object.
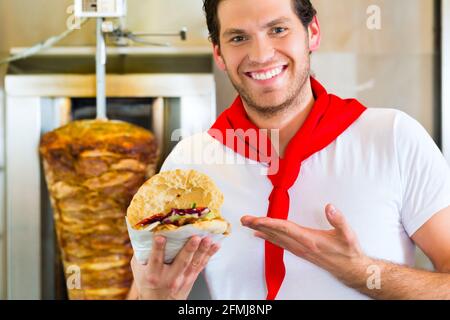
(165, 91)
(47, 91)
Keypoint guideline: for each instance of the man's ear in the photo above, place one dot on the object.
(314, 34)
(218, 58)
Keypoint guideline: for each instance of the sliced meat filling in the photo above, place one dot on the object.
(178, 217)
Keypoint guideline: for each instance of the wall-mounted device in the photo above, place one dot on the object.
(100, 8)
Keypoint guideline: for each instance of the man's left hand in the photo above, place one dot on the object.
(336, 250)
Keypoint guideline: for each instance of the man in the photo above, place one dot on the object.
(347, 191)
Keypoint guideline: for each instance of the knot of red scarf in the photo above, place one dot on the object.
(329, 118)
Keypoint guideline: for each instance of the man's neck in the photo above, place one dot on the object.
(289, 121)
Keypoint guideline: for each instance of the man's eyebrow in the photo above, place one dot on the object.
(276, 21)
(234, 31)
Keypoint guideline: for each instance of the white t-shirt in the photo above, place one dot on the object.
(384, 173)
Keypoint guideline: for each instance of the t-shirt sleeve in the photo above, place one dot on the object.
(424, 172)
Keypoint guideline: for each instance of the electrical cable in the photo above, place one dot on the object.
(43, 45)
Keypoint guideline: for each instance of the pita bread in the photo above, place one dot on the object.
(178, 189)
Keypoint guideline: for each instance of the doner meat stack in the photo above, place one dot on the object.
(93, 168)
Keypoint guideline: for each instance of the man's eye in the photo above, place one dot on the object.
(278, 30)
(238, 39)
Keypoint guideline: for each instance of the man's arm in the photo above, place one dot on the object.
(399, 282)
(338, 252)
(434, 240)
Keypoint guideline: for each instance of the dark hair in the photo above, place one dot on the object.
(303, 8)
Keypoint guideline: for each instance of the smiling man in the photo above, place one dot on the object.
(379, 167)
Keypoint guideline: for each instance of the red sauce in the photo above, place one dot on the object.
(148, 221)
(160, 217)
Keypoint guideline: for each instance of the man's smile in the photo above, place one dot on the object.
(264, 75)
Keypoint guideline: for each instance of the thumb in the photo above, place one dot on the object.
(335, 218)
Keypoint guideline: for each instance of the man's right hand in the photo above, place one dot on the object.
(158, 281)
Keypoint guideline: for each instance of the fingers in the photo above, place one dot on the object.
(333, 216)
(279, 228)
(156, 259)
(168, 279)
(184, 257)
(284, 234)
(197, 259)
(137, 266)
(337, 220)
(284, 242)
(266, 224)
(206, 249)
(199, 262)
(248, 220)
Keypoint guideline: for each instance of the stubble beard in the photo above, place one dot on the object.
(295, 95)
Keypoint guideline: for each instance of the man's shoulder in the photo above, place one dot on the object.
(389, 121)
(381, 116)
(392, 128)
(385, 130)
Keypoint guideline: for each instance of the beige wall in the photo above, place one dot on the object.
(407, 26)
(390, 68)
(26, 22)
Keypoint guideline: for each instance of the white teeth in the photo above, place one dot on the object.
(267, 75)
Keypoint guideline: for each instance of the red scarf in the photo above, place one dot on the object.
(329, 117)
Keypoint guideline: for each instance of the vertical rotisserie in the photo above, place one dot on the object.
(93, 168)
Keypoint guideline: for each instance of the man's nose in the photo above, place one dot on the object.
(261, 51)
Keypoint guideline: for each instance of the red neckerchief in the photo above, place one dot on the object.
(329, 117)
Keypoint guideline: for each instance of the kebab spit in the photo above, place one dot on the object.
(92, 169)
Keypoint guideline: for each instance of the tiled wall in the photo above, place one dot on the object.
(389, 67)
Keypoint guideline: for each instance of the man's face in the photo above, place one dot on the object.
(265, 49)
